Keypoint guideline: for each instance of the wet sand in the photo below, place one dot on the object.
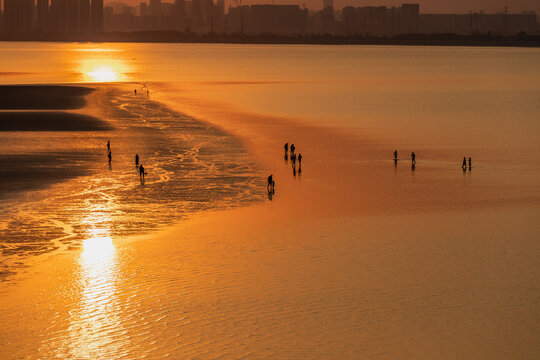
(31, 171)
(24, 172)
(50, 121)
(58, 185)
(354, 257)
(42, 97)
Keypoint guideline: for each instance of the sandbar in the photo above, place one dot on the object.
(43, 97)
(50, 121)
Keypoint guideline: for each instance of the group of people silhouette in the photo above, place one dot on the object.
(289, 152)
(293, 157)
(413, 161)
(140, 167)
(464, 164)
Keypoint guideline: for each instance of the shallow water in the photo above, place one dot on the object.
(190, 167)
(354, 257)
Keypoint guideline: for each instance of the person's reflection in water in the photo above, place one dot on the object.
(413, 166)
(395, 162)
(270, 187)
(294, 170)
(286, 158)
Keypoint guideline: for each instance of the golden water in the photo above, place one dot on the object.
(354, 257)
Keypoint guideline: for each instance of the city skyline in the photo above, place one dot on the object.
(428, 6)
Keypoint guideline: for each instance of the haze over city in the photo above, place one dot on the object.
(429, 6)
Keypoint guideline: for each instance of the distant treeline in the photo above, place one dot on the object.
(522, 39)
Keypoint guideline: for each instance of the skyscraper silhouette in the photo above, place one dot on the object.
(96, 14)
(18, 15)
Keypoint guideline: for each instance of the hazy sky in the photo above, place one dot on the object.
(426, 6)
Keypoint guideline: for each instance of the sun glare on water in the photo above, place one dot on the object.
(98, 249)
(97, 66)
(103, 74)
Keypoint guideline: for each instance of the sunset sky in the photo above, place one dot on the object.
(426, 6)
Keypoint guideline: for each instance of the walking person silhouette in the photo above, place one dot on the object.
(141, 172)
(292, 149)
(464, 165)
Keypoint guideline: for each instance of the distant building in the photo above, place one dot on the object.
(209, 16)
(479, 23)
(327, 17)
(18, 16)
(96, 16)
(266, 19)
(42, 16)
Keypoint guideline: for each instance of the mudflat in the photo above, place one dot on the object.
(50, 121)
(42, 97)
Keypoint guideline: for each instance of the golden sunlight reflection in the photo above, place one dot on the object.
(97, 68)
(97, 249)
(103, 74)
(95, 327)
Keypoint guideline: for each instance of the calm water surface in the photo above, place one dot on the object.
(355, 257)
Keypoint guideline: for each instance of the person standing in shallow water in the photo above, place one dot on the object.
(137, 160)
(286, 148)
(109, 146)
(271, 184)
(395, 155)
(300, 160)
(413, 157)
(464, 165)
(470, 163)
(292, 149)
(141, 172)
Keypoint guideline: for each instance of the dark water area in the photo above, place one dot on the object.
(50, 121)
(42, 97)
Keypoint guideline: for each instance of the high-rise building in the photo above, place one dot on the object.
(327, 16)
(180, 19)
(155, 7)
(96, 16)
(72, 13)
(218, 17)
(42, 20)
(57, 16)
(84, 16)
(18, 16)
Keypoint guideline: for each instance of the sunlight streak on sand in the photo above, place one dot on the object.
(95, 326)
